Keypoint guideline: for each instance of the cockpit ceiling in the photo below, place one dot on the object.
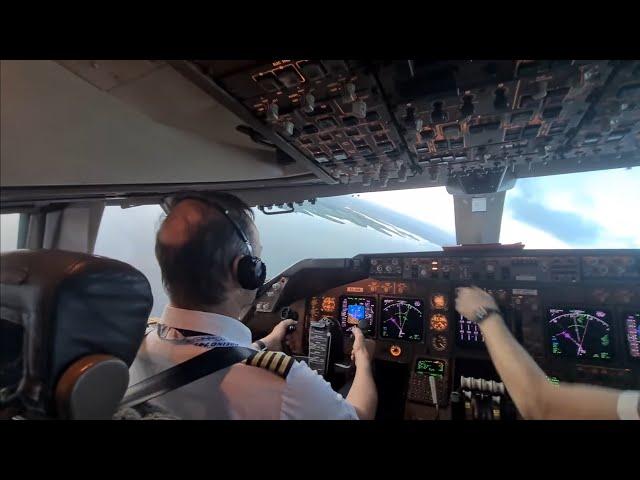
(145, 127)
(62, 127)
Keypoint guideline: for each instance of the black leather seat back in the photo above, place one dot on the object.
(65, 305)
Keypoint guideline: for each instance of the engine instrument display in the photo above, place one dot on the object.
(328, 304)
(402, 319)
(468, 333)
(632, 330)
(434, 368)
(358, 311)
(438, 322)
(583, 334)
(439, 342)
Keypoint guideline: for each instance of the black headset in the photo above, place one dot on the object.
(252, 271)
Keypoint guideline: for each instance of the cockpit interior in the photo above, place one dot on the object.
(79, 136)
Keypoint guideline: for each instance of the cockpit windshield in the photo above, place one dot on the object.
(580, 210)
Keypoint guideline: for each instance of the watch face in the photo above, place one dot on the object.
(481, 313)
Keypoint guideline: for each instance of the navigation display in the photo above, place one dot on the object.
(434, 368)
(632, 332)
(402, 319)
(580, 333)
(358, 311)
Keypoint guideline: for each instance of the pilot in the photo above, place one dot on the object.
(201, 248)
(533, 394)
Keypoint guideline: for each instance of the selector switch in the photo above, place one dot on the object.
(500, 99)
(409, 116)
(359, 109)
(273, 112)
(467, 106)
(349, 93)
(288, 128)
(309, 103)
(438, 115)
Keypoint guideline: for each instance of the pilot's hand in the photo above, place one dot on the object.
(278, 335)
(363, 348)
(469, 299)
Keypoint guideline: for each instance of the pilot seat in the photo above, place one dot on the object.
(70, 327)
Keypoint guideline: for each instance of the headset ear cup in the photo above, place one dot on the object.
(252, 272)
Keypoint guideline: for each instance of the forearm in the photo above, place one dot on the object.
(271, 343)
(524, 380)
(363, 394)
(529, 388)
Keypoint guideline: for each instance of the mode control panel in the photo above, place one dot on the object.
(516, 268)
(386, 267)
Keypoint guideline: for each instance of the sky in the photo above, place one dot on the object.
(581, 210)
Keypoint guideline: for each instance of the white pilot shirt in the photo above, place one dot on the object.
(239, 392)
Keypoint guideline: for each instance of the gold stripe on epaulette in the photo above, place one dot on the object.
(265, 359)
(285, 366)
(276, 362)
(255, 360)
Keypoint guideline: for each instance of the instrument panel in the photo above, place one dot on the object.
(471, 125)
(577, 313)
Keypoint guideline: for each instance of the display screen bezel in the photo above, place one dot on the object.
(406, 299)
(372, 326)
(589, 309)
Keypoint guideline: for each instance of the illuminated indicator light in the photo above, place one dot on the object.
(434, 268)
(438, 301)
(434, 263)
(395, 351)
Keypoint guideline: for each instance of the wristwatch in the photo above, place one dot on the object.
(481, 313)
(261, 345)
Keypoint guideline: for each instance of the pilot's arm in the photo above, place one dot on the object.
(533, 394)
(363, 394)
(323, 402)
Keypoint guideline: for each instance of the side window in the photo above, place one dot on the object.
(128, 235)
(9, 231)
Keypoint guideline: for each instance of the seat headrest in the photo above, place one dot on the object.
(63, 306)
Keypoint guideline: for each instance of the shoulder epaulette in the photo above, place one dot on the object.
(276, 362)
(152, 324)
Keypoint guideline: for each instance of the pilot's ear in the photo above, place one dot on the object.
(234, 270)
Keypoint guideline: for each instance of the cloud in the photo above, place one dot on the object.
(587, 210)
(566, 226)
(514, 231)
